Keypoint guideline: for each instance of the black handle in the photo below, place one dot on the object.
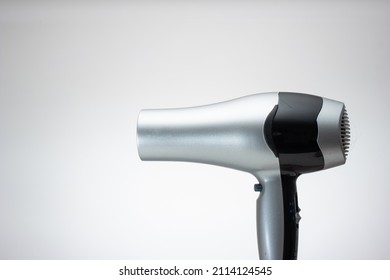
(291, 217)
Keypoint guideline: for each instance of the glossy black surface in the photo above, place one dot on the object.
(291, 132)
(291, 210)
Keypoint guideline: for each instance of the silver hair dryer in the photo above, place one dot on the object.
(274, 136)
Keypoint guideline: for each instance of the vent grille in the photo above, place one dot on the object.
(345, 132)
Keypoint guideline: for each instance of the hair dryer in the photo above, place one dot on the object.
(274, 136)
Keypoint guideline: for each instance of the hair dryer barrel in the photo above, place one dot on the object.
(227, 134)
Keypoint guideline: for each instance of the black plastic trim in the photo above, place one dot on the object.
(292, 133)
(291, 210)
(268, 130)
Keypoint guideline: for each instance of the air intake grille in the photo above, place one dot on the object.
(345, 132)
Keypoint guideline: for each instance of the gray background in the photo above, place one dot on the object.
(74, 75)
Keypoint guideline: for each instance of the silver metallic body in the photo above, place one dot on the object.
(228, 134)
(329, 139)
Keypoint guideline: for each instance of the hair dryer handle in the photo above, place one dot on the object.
(277, 218)
(291, 217)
